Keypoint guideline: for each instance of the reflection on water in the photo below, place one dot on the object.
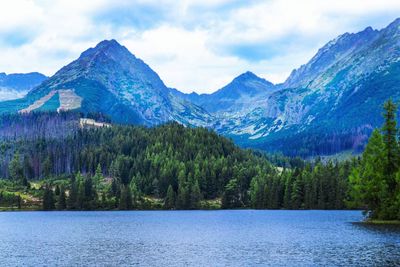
(200, 238)
(379, 228)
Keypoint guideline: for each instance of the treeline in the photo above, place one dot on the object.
(169, 166)
(319, 140)
(35, 125)
(44, 125)
(313, 186)
(375, 182)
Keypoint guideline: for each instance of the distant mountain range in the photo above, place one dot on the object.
(236, 95)
(326, 106)
(16, 85)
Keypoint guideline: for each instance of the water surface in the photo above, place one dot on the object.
(198, 238)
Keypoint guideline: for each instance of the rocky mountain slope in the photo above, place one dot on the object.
(329, 105)
(239, 93)
(111, 80)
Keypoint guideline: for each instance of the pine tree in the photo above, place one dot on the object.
(375, 181)
(390, 140)
(73, 195)
(367, 180)
(123, 200)
(47, 168)
(231, 196)
(29, 173)
(170, 198)
(129, 198)
(48, 199)
(195, 195)
(287, 201)
(62, 202)
(135, 193)
(90, 194)
(15, 169)
(19, 202)
(182, 198)
(57, 190)
(80, 197)
(98, 178)
(257, 193)
(155, 185)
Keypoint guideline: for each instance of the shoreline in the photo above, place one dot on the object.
(55, 210)
(381, 222)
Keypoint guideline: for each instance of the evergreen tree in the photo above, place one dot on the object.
(129, 198)
(390, 137)
(287, 201)
(375, 182)
(391, 144)
(135, 193)
(73, 195)
(231, 197)
(15, 169)
(62, 202)
(114, 190)
(182, 201)
(297, 191)
(170, 198)
(90, 194)
(48, 199)
(195, 195)
(47, 167)
(257, 193)
(98, 178)
(19, 202)
(29, 173)
(367, 180)
(57, 190)
(123, 200)
(80, 198)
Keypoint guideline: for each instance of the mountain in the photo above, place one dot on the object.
(327, 106)
(111, 80)
(240, 92)
(330, 104)
(17, 85)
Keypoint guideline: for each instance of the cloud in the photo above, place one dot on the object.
(139, 16)
(193, 44)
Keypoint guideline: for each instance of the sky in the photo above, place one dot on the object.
(194, 45)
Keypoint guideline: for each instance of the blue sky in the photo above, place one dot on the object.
(194, 45)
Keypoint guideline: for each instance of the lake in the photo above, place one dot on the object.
(198, 238)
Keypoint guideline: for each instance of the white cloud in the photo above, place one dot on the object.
(192, 44)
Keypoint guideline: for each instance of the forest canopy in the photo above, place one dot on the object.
(168, 166)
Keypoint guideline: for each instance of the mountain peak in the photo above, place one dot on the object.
(21, 81)
(246, 83)
(330, 54)
(395, 23)
(108, 43)
(247, 75)
(108, 47)
(109, 79)
(368, 29)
